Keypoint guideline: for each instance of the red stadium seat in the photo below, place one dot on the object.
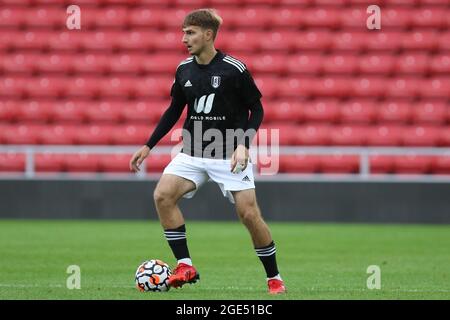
(440, 64)
(429, 17)
(396, 18)
(304, 63)
(357, 112)
(312, 135)
(69, 111)
(146, 17)
(420, 136)
(58, 135)
(299, 163)
(253, 17)
(441, 165)
(339, 163)
(104, 112)
(283, 110)
(100, 40)
(21, 134)
(313, 40)
(70, 40)
(82, 87)
(53, 63)
(89, 63)
(137, 40)
(34, 111)
(8, 110)
(270, 87)
(430, 113)
(385, 136)
(12, 17)
(354, 17)
(157, 87)
(94, 135)
(241, 41)
(436, 87)
(332, 87)
(12, 86)
(161, 63)
(115, 163)
(12, 162)
(394, 112)
(444, 136)
(412, 164)
(424, 40)
(169, 40)
(349, 41)
(126, 63)
(376, 64)
(48, 162)
(278, 41)
(286, 133)
(111, 17)
(31, 40)
(44, 87)
(143, 112)
(381, 164)
(381, 40)
(287, 17)
(321, 111)
(412, 63)
(45, 17)
(402, 87)
(348, 135)
(320, 17)
(157, 162)
(117, 87)
(18, 63)
(444, 41)
(369, 87)
(340, 64)
(81, 162)
(268, 63)
(131, 134)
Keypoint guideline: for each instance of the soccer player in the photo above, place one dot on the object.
(220, 94)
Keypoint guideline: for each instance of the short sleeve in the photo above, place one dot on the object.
(247, 88)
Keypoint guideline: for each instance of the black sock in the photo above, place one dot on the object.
(267, 256)
(177, 242)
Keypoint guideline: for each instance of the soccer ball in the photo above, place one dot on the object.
(153, 275)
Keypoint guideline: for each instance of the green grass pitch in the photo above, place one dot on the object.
(317, 261)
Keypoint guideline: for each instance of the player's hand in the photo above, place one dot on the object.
(138, 157)
(239, 159)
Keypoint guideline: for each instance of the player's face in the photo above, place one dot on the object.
(194, 38)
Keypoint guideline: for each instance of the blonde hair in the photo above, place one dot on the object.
(205, 19)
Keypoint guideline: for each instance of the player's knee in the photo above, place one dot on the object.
(163, 198)
(249, 213)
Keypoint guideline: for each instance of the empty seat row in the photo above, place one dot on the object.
(247, 17)
(337, 163)
(272, 87)
(379, 164)
(289, 111)
(278, 63)
(284, 134)
(236, 42)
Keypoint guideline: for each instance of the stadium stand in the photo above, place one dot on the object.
(326, 80)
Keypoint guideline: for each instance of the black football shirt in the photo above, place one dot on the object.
(219, 96)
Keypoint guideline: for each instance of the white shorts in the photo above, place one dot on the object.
(201, 170)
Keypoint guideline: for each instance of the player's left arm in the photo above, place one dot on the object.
(239, 159)
(251, 98)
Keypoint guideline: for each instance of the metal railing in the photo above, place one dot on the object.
(363, 153)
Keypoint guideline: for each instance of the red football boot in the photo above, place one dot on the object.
(276, 286)
(182, 274)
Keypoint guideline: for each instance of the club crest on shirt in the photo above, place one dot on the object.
(215, 81)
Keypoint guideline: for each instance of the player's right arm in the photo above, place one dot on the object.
(167, 121)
